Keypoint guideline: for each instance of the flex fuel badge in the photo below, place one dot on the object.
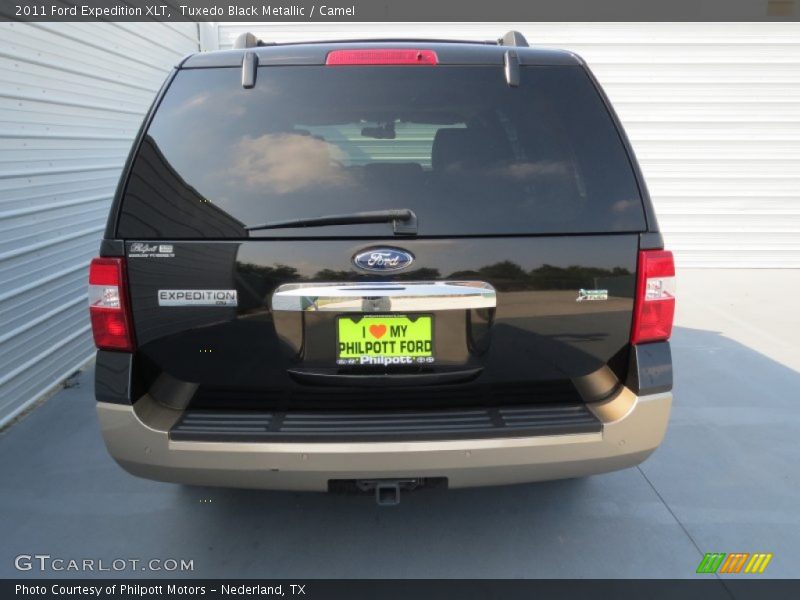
(143, 250)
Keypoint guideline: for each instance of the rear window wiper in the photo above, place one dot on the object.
(403, 220)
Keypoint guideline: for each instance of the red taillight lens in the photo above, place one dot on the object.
(108, 309)
(654, 306)
(382, 57)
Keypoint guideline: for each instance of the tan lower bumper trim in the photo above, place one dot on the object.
(138, 439)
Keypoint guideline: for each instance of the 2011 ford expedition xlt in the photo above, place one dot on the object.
(377, 265)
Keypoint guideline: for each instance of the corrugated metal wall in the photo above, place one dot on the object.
(72, 97)
(712, 109)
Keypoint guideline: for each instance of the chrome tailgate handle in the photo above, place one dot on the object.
(378, 297)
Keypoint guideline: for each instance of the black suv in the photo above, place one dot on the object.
(380, 265)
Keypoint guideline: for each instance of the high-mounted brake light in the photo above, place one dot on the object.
(108, 306)
(389, 56)
(654, 306)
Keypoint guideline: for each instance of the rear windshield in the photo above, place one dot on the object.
(466, 152)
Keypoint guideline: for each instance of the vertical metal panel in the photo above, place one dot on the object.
(712, 110)
(72, 96)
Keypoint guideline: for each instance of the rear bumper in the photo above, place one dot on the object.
(138, 439)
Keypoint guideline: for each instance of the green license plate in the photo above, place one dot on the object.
(385, 340)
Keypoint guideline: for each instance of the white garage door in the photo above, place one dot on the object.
(712, 109)
(72, 97)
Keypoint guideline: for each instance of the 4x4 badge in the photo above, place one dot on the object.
(383, 259)
(588, 295)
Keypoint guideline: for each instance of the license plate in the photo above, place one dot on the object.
(385, 340)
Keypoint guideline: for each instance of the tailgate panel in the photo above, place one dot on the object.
(564, 305)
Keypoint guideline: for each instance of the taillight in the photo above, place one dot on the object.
(654, 306)
(388, 56)
(108, 306)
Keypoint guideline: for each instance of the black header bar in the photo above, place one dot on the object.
(400, 10)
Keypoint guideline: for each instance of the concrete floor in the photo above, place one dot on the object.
(727, 479)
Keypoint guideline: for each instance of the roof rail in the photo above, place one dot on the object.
(247, 40)
(513, 38)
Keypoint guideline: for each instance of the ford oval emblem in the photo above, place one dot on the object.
(383, 260)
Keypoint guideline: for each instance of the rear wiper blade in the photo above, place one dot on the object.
(404, 221)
